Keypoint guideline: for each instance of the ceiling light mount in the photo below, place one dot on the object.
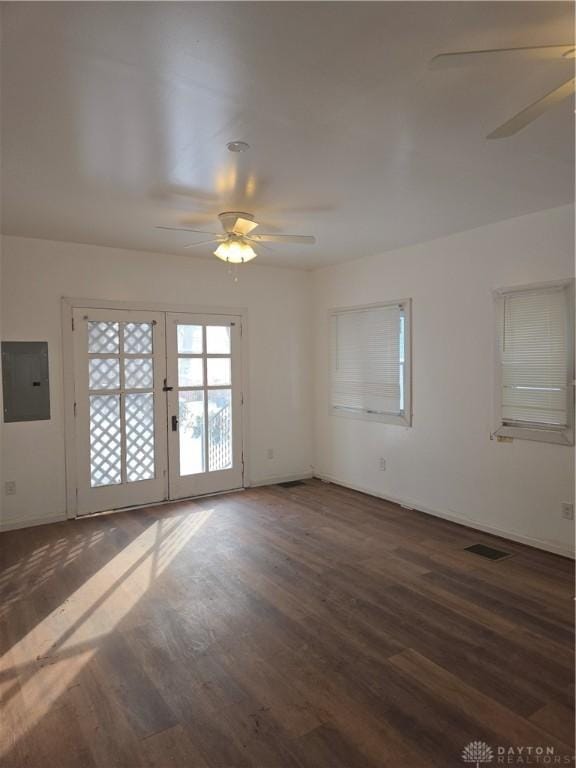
(237, 146)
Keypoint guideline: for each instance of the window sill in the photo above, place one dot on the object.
(401, 420)
(558, 436)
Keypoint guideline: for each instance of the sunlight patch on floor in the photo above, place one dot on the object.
(73, 631)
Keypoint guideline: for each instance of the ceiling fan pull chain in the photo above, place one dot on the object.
(233, 271)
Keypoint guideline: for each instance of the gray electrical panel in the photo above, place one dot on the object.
(25, 383)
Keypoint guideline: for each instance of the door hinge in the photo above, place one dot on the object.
(75, 410)
(72, 323)
(241, 398)
(241, 329)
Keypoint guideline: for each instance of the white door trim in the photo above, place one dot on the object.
(68, 305)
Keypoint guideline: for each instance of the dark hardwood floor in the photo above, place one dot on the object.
(309, 627)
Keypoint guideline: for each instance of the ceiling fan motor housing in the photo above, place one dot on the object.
(228, 218)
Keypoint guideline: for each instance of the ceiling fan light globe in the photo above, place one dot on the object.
(235, 252)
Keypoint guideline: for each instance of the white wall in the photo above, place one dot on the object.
(38, 273)
(446, 462)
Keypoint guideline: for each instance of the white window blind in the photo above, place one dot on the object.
(368, 376)
(535, 358)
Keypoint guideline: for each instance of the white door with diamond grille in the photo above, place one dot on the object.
(204, 404)
(120, 408)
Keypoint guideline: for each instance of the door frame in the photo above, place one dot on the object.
(68, 305)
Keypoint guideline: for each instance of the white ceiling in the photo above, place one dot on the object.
(116, 118)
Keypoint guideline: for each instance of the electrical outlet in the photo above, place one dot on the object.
(270, 453)
(567, 511)
(10, 487)
(382, 464)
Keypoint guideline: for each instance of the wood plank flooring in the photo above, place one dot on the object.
(304, 627)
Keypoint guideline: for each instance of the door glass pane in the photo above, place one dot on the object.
(190, 372)
(102, 337)
(138, 373)
(219, 429)
(138, 338)
(218, 339)
(190, 339)
(191, 432)
(139, 437)
(218, 371)
(104, 373)
(105, 437)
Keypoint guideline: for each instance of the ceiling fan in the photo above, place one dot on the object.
(537, 108)
(237, 239)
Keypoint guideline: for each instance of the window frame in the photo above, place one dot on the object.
(544, 434)
(403, 419)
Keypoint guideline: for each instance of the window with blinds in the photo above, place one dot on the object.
(370, 362)
(536, 360)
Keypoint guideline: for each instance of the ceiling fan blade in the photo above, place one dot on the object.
(243, 226)
(304, 239)
(465, 58)
(203, 242)
(526, 116)
(263, 245)
(187, 229)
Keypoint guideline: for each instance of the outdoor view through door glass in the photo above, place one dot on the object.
(204, 398)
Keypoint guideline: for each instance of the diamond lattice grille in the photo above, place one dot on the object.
(138, 338)
(104, 373)
(138, 373)
(139, 437)
(121, 423)
(102, 337)
(105, 440)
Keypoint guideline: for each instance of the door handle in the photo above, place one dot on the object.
(174, 423)
(166, 388)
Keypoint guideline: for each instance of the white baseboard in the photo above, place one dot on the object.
(275, 479)
(474, 525)
(14, 525)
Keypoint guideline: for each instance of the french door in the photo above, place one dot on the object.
(204, 439)
(157, 412)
